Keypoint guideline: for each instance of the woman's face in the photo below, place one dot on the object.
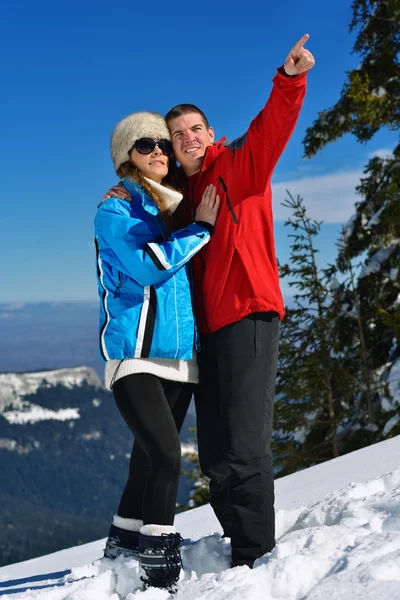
(153, 165)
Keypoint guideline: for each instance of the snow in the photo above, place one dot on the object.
(348, 227)
(394, 273)
(299, 435)
(375, 219)
(394, 381)
(338, 536)
(188, 449)
(14, 386)
(93, 435)
(379, 93)
(33, 413)
(374, 263)
(17, 385)
(390, 424)
(13, 446)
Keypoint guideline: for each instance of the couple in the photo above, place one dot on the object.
(201, 235)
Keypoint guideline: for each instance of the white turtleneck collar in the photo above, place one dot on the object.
(170, 196)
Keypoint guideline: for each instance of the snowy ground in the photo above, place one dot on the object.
(338, 530)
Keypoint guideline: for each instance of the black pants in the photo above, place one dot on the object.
(154, 410)
(234, 406)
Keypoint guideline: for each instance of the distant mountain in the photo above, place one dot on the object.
(64, 451)
(49, 335)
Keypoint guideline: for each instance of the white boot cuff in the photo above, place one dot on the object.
(157, 529)
(127, 524)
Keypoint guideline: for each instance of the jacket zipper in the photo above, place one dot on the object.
(230, 207)
(191, 199)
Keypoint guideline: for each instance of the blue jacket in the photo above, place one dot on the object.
(143, 282)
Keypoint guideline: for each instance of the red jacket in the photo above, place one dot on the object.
(236, 273)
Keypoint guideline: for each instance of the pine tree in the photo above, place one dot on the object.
(353, 337)
(313, 388)
(369, 101)
(370, 97)
(352, 320)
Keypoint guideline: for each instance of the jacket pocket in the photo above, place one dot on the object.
(249, 268)
(215, 281)
(119, 284)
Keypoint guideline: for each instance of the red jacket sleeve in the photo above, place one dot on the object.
(255, 154)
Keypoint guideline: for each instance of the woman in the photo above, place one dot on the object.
(148, 334)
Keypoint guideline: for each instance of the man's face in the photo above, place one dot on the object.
(190, 138)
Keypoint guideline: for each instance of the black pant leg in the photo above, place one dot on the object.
(247, 362)
(145, 402)
(131, 503)
(179, 403)
(210, 435)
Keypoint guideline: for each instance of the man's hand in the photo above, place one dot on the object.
(118, 191)
(299, 59)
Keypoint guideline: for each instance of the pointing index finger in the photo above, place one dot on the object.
(301, 42)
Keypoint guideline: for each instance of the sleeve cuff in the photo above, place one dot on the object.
(282, 71)
(208, 226)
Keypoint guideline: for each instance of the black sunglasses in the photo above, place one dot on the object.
(147, 145)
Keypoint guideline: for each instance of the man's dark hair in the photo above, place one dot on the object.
(184, 109)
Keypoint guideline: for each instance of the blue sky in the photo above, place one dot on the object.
(71, 70)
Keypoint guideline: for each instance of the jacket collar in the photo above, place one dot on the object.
(138, 192)
(212, 152)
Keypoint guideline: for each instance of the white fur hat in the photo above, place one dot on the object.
(132, 128)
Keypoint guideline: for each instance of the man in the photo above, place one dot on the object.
(238, 305)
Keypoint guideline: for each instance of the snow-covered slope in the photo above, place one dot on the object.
(338, 531)
(15, 386)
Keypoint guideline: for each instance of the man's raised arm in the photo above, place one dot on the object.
(258, 151)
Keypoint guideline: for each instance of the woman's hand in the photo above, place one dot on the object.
(208, 208)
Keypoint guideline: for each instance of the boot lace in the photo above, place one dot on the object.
(169, 576)
(173, 556)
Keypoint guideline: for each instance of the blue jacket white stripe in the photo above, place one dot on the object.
(143, 280)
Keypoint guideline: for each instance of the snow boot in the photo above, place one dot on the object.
(160, 556)
(123, 538)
